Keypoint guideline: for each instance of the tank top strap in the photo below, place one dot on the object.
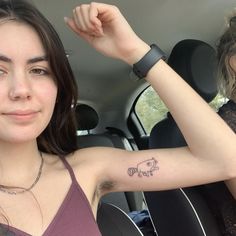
(69, 168)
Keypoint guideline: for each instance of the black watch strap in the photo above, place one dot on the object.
(142, 67)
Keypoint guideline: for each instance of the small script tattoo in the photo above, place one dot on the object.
(144, 168)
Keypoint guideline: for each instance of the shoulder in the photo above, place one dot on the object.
(94, 160)
(90, 166)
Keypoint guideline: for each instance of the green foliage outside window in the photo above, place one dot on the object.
(150, 109)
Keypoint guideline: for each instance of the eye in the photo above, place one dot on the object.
(149, 163)
(39, 71)
(2, 72)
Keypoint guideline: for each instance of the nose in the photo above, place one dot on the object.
(20, 88)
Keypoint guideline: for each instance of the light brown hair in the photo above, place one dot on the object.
(226, 48)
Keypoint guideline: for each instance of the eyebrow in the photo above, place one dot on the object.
(29, 61)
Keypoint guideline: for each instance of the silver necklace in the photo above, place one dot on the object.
(23, 190)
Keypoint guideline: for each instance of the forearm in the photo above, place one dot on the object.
(195, 118)
(206, 134)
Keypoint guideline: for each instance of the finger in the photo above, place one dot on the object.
(79, 19)
(82, 19)
(93, 15)
(103, 12)
(73, 26)
(85, 13)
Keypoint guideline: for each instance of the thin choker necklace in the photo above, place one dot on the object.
(23, 190)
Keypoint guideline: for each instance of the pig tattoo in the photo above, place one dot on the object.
(144, 168)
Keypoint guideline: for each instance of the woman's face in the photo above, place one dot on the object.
(27, 90)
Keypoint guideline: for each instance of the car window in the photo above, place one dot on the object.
(150, 109)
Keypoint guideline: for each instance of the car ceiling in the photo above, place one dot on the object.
(106, 84)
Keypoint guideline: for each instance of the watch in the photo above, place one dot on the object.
(142, 67)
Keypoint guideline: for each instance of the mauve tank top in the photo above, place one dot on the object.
(73, 218)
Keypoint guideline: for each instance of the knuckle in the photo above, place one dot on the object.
(83, 6)
(115, 9)
(77, 9)
(93, 4)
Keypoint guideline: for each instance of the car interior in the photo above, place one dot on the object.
(187, 31)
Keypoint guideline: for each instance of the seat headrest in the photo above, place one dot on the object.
(196, 62)
(86, 117)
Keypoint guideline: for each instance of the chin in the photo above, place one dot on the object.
(20, 136)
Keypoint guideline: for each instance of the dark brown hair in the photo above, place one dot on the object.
(59, 137)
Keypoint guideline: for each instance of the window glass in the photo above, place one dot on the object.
(217, 102)
(150, 109)
(82, 132)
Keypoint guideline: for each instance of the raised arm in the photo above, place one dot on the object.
(211, 151)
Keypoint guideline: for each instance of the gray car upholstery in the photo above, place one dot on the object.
(184, 211)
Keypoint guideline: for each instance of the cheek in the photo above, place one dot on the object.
(49, 94)
(3, 90)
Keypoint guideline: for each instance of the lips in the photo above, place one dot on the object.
(21, 115)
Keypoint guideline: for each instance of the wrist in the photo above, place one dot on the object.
(145, 64)
(136, 53)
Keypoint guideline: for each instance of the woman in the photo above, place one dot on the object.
(56, 187)
(220, 199)
(227, 80)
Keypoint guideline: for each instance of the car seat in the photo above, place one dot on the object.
(113, 221)
(184, 211)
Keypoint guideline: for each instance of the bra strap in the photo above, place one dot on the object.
(69, 168)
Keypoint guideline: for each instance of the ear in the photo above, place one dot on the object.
(232, 63)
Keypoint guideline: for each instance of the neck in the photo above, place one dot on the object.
(18, 162)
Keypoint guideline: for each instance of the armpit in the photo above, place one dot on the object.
(102, 188)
